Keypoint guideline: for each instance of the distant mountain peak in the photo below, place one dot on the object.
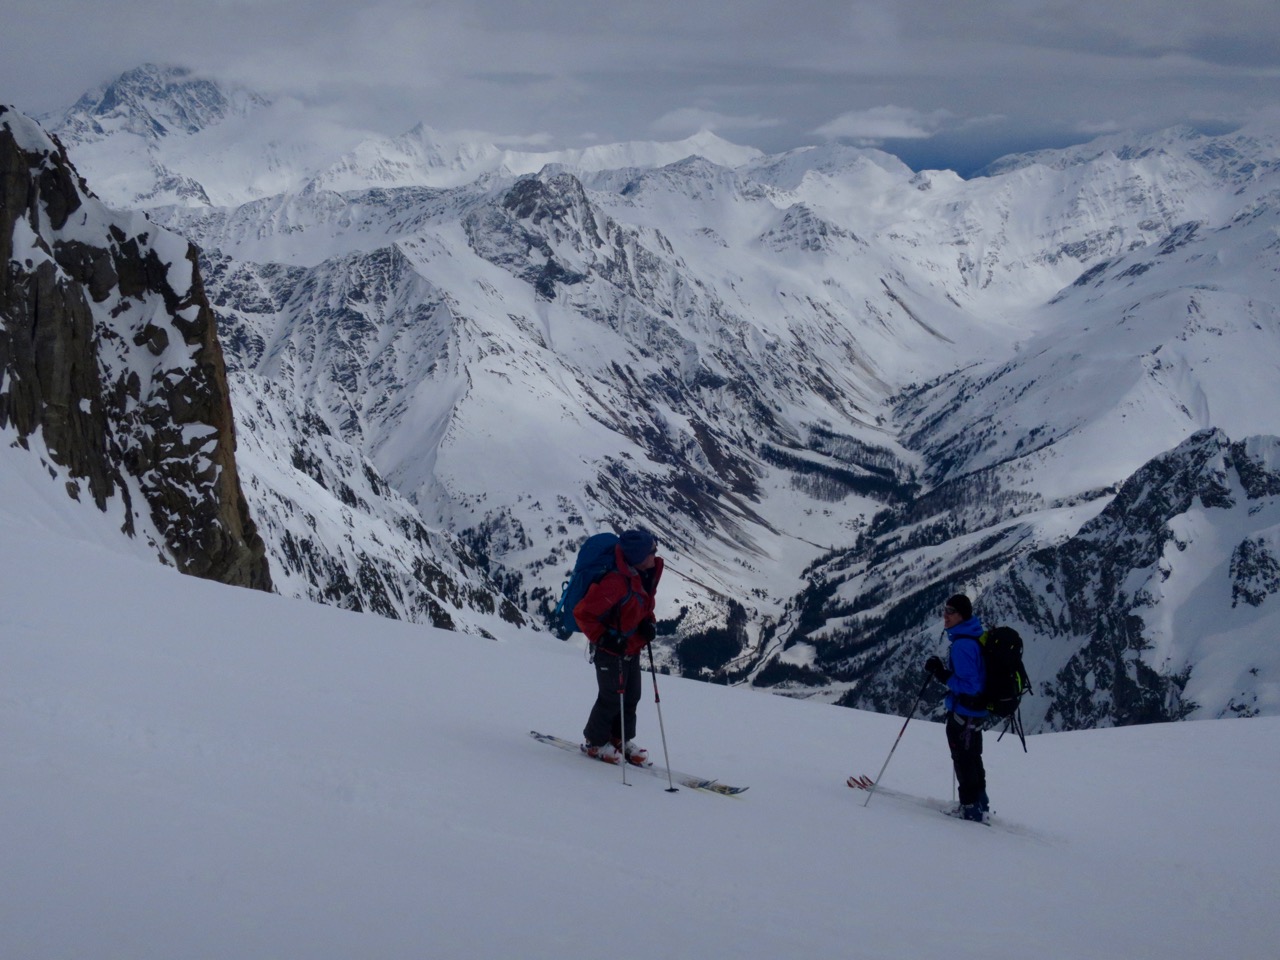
(158, 100)
(1241, 147)
(426, 157)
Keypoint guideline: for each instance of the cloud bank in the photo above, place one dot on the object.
(938, 82)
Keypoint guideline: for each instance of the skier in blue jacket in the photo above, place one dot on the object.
(965, 678)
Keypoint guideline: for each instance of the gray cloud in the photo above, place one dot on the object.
(941, 83)
(879, 124)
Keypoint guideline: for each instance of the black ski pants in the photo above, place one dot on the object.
(964, 737)
(605, 723)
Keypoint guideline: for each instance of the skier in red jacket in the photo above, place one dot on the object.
(616, 614)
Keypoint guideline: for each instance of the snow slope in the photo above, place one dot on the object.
(193, 771)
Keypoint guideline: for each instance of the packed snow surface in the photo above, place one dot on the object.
(192, 770)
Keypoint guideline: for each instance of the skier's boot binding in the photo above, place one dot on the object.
(635, 754)
(973, 812)
(604, 751)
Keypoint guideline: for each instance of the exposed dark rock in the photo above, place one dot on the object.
(80, 293)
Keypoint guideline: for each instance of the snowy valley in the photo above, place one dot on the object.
(837, 389)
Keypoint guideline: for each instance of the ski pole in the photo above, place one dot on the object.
(657, 701)
(622, 716)
(875, 784)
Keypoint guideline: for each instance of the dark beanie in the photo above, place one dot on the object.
(636, 545)
(961, 605)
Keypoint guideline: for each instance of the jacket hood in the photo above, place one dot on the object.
(971, 628)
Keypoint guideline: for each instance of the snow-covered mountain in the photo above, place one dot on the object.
(164, 135)
(424, 157)
(112, 373)
(837, 388)
(1159, 607)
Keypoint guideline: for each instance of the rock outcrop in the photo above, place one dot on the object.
(109, 352)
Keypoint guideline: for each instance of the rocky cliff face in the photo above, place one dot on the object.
(109, 356)
(1161, 607)
(1099, 600)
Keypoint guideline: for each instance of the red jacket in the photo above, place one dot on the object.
(619, 601)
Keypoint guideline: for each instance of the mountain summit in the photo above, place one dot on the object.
(424, 157)
(153, 102)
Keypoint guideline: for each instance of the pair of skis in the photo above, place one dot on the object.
(684, 779)
(714, 786)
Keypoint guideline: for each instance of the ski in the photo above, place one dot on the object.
(946, 809)
(866, 783)
(684, 779)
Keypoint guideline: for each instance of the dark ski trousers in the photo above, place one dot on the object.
(605, 722)
(964, 737)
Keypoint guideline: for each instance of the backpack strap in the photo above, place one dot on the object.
(1014, 723)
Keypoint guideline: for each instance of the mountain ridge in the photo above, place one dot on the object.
(785, 367)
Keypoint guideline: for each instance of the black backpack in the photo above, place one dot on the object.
(1007, 680)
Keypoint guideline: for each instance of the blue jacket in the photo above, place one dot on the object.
(968, 671)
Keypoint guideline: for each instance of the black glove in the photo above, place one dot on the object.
(933, 666)
(647, 631)
(611, 642)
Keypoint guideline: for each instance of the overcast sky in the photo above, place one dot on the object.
(942, 83)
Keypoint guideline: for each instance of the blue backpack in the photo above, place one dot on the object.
(595, 559)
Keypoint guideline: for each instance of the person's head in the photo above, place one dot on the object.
(957, 610)
(638, 548)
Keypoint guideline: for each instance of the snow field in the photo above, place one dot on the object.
(192, 770)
